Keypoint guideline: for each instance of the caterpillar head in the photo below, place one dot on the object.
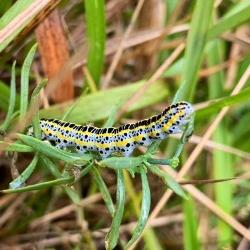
(181, 113)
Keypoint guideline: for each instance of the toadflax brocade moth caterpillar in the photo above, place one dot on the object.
(123, 139)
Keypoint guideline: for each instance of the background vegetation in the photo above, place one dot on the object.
(125, 60)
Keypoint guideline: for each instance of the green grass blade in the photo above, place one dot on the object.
(216, 105)
(24, 176)
(112, 117)
(15, 147)
(72, 194)
(169, 181)
(34, 103)
(145, 208)
(241, 130)
(54, 152)
(104, 191)
(13, 11)
(113, 234)
(196, 41)
(5, 97)
(12, 99)
(191, 241)
(122, 162)
(235, 17)
(90, 109)
(96, 34)
(24, 95)
(222, 163)
(38, 186)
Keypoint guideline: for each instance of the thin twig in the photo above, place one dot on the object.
(118, 53)
(152, 79)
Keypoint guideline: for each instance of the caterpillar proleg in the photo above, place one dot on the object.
(123, 139)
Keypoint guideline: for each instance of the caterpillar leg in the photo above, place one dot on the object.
(80, 149)
(60, 146)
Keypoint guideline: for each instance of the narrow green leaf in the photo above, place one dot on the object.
(145, 208)
(25, 80)
(38, 186)
(73, 195)
(34, 103)
(122, 162)
(190, 226)
(113, 234)
(15, 147)
(169, 181)
(96, 34)
(104, 191)
(54, 152)
(235, 17)
(217, 104)
(12, 99)
(196, 41)
(220, 159)
(5, 97)
(24, 176)
(111, 118)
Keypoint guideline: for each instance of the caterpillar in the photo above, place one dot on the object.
(123, 139)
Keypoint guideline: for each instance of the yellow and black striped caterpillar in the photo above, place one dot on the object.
(123, 139)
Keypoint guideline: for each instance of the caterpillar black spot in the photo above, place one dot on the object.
(123, 139)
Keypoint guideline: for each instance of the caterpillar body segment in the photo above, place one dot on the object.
(123, 139)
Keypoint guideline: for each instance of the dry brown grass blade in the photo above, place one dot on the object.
(118, 53)
(65, 210)
(215, 145)
(53, 49)
(152, 79)
(8, 213)
(152, 16)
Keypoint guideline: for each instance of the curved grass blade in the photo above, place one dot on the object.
(145, 208)
(55, 171)
(54, 152)
(73, 195)
(112, 117)
(169, 181)
(38, 186)
(12, 99)
(15, 147)
(104, 191)
(113, 234)
(196, 41)
(224, 191)
(217, 104)
(24, 95)
(95, 18)
(190, 225)
(24, 176)
(34, 102)
(235, 17)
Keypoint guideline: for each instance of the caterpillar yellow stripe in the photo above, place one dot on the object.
(123, 139)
